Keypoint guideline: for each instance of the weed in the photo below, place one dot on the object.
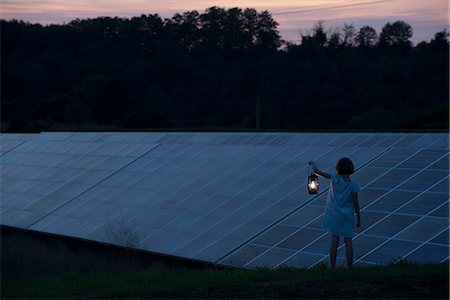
(122, 231)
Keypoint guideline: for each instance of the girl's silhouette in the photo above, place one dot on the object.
(342, 203)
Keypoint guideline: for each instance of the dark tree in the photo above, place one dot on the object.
(366, 37)
(349, 31)
(440, 41)
(222, 68)
(396, 34)
(318, 37)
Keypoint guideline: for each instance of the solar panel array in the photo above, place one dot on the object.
(236, 199)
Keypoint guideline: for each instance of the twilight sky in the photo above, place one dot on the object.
(425, 16)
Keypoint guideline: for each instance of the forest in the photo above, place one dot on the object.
(221, 69)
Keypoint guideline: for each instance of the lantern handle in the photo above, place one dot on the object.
(308, 170)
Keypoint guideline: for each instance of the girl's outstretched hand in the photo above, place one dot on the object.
(313, 165)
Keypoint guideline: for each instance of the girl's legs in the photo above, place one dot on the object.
(333, 250)
(349, 251)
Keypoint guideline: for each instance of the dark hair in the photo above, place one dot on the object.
(345, 166)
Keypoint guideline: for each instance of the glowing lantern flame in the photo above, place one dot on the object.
(313, 183)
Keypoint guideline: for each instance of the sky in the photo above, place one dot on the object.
(294, 17)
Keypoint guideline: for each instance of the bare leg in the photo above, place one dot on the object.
(349, 251)
(333, 250)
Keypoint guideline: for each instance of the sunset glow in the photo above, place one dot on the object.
(426, 17)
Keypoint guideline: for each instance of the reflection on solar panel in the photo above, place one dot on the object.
(236, 199)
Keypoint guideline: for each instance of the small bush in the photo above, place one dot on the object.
(123, 231)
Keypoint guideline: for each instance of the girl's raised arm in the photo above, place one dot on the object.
(317, 171)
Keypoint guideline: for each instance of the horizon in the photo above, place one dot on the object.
(426, 19)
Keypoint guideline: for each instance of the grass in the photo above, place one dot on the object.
(406, 281)
(42, 266)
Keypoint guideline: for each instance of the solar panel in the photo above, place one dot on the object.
(386, 228)
(236, 199)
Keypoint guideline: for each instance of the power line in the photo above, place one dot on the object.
(329, 7)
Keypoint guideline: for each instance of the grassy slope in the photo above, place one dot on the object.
(37, 265)
(395, 281)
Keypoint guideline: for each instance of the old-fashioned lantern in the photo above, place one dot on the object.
(313, 183)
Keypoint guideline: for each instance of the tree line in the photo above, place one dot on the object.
(223, 68)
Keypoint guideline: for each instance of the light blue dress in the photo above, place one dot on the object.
(339, 216)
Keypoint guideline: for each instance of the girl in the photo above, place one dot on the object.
(342, 201)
